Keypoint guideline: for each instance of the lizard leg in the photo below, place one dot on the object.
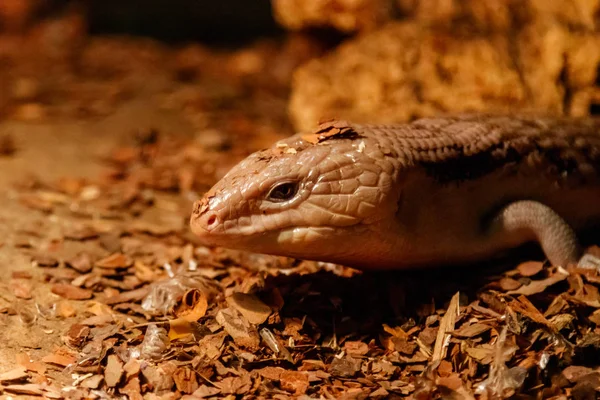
(540, 222)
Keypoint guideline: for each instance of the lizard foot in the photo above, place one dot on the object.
(555, 236)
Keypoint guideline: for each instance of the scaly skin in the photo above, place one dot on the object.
(436, 191)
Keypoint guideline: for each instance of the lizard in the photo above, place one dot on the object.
(432, 192)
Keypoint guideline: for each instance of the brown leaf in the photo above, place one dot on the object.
(113, 371)
(271, 373)
(93, 382)
(21, 288)
(539, 286)
(446, 326)
(31, 389)
(82, 262)
(530, 268)
(523, 306)
(129, 296)
(36, 202)
(25, 361)
(345, 367)
(44, 260)
(71, 292)
(404, 346)
(251, 307)
(356, 348)
(116, 260)
(469, 331)
(235, 385)
(65, 309)
(185, 380)
(509, 284)
(17, 374)
(59, 359)
(236, 325)
(193, 305)
(574, 372)
(294, 382)
(81, 233)
(452, 382)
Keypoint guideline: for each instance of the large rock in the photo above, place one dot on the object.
(407, 70)
(344, 15)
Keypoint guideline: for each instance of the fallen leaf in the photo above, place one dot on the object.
(113, 371)
(59, 359)
(294, 382)
(539, 286)
(446, 326)
(469, 331)
(17, 374)
(71, 292)
(251, 307)
(236, 325)
(116, 260)
(530, 268)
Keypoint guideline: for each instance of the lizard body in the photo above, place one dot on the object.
(435, 191)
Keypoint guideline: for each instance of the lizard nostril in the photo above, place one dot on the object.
(212, 220)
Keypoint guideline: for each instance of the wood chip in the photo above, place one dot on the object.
(116, 260)
(71, 292)
(530, 268)
(113, 371)
(446, 327)
(251, 307)
(17, 374)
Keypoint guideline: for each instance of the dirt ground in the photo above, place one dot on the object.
(51, 150)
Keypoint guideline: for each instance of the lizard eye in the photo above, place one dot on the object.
(283, 191)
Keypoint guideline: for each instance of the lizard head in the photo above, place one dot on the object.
(309, 197)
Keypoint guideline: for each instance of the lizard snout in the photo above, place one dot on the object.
(203, 220)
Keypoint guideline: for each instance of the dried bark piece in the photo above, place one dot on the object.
(129, 296)
(44, 260)
(235, 385)
(238, 327)
(21, 288)
(65, 309)
(250, 306)
(30, 389)
(77, 335)
(539, 286)
(294, 382)
(59, 359)
(116, 260)
(345, 367)
(81, 233)
(356, 348)
(25, 361)
(82, 262)
(271, 373)
(507, 284)
(446, 327)
(469, 331)
(113, 371)
(17, 374)
(93, 382)
(575, 372)
(185, 380)
(530, 268)
(71, 292)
